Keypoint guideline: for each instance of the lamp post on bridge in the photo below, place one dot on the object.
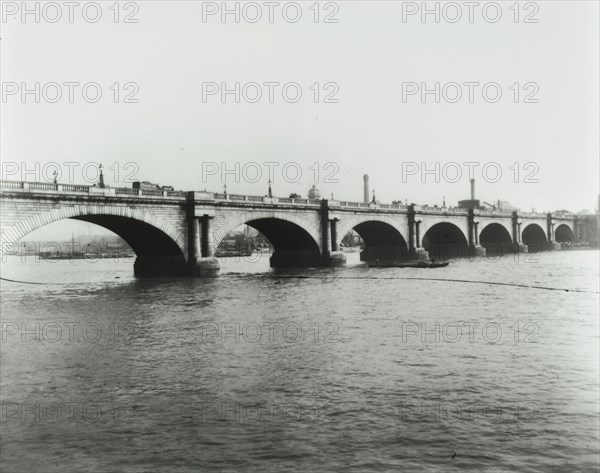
(101, 180)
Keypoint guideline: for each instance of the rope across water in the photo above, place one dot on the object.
(464, 281)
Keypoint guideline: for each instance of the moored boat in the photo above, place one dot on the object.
(230, 253)
(408, 264)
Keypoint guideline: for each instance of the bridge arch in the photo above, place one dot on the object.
(157, 244)
(496, 239)
(391, 226)
(563, 233)
(383, 241)
(378, 233)
(534, 236)
(383, 237)
(445, 240)
(295, 241)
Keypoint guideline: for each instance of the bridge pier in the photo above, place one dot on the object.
(552, 244)
(476, 251)
(201, 261)
(415, 250)
(336, 258)
(520, 248)
(419, 254)
(517, 245)
(204, 267)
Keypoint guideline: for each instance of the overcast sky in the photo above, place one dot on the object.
(369, 55)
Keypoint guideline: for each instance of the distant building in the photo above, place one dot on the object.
(469, 204)
(588, 229)
(588, 226)
(314, 193)
(506, 205)
(562, 212)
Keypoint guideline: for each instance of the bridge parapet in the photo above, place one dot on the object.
(78, 190)
(564, 217)
(263, 199)
(344, 203)
(365, 206)
(403, 208)
(495, 213)
(532, 215)
(441, 210)
(81, 190)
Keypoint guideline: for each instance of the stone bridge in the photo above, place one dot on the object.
(176, 233)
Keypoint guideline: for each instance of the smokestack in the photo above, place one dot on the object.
(366, 194)
(472, 189)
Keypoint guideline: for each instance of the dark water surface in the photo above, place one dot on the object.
(347, 369)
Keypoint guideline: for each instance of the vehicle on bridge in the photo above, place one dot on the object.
(150, 186)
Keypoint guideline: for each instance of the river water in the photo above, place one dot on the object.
(351, 369)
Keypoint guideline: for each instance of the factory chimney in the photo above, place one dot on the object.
(366, 188)
(472, 189)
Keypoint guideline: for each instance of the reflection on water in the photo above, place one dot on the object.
(349, 369)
